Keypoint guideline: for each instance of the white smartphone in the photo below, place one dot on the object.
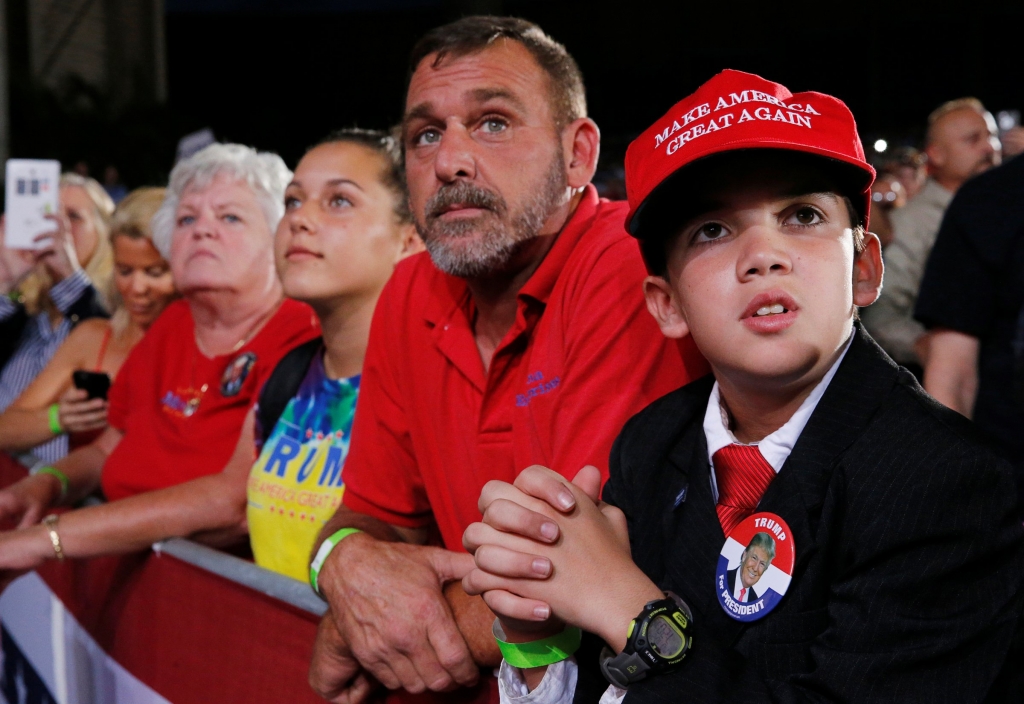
(32, 194)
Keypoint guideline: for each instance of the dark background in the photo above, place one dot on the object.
(280, 75)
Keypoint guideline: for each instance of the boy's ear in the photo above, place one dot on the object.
(867, 272)
(664, 306)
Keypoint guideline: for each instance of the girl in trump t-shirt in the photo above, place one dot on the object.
(295, 485)
(345, 227)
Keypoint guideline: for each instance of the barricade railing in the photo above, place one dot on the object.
(183, 623)
(244, 573)
(180, 624)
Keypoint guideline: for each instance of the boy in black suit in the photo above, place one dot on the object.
(900, 556)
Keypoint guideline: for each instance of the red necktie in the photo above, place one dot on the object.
(743, 594)
(742, 474)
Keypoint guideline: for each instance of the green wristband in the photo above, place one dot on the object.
(538, 653)
(323, 552)
(61, 477)
(53, 415)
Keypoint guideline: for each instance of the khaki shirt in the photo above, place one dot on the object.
(915, 226)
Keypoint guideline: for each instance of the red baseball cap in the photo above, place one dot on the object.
(734, 111)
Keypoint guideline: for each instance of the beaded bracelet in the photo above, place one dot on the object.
(51, 526)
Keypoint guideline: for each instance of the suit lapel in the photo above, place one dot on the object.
(692, 534)
(855, 394)
(693, 526)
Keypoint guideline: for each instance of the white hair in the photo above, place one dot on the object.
(264, 172)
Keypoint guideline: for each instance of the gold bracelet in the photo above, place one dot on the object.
(51, 525)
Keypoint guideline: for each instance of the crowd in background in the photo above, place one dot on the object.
(241, 283)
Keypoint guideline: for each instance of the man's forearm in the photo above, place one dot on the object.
(951, 376)
(347, 518)
(471, 614)
(474, 620)
(391, 605)
(955, 393)
(373, 527)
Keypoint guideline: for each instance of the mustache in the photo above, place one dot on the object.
(465, 194)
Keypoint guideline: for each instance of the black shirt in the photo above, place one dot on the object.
(974, 284)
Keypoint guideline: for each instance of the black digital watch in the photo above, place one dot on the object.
(658, 640)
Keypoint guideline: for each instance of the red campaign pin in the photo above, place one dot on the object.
(755, 567)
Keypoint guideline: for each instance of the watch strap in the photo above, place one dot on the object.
(623, 669)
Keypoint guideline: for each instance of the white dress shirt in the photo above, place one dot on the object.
(559, 683)
(775, 447)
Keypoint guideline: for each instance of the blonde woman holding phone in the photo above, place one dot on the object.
(52, 407)
(49, 291)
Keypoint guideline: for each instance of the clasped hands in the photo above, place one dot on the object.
(389, 621)
(548, 551)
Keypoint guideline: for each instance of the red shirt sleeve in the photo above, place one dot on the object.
(617, 360)
(382, 478)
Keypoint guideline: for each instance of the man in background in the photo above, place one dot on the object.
(972, 301)
(910, 166)
(960, 143)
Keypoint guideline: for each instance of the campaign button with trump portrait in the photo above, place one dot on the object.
(755, 567)
(236, 373)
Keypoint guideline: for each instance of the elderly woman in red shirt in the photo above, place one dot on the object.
(179, 407)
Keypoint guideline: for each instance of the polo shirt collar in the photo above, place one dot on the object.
(448, 294)
(539, 286)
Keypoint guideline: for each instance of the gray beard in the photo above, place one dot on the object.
(456, 251)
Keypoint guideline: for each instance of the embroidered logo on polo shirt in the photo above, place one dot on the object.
(539, 387)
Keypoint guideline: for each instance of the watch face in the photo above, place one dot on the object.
(665, 638)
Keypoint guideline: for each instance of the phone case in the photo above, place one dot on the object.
(33, 187)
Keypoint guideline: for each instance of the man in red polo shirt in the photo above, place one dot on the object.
(495, 352)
